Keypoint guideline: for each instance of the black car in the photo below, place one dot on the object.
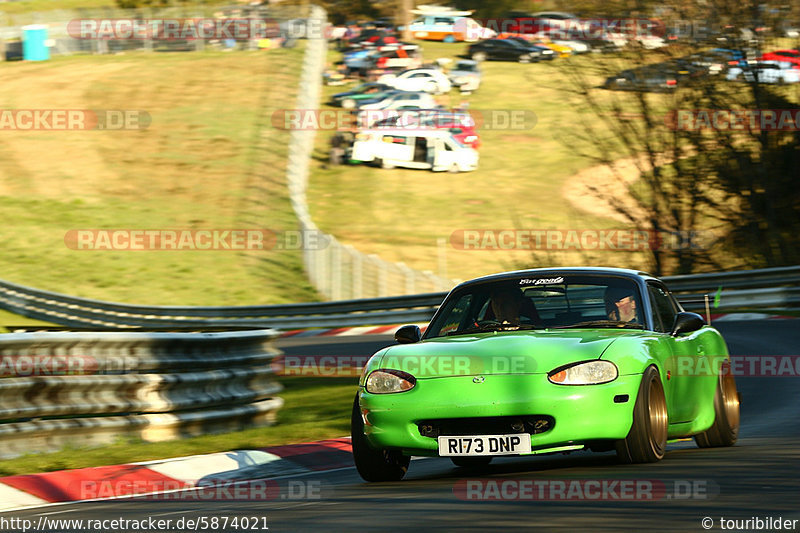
(502, 50)
(539, 52)
(684, 70)
(361, 93)
(643, 79)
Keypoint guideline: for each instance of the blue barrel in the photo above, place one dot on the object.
(34, 43)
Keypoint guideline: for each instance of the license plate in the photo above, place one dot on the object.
(485, 445)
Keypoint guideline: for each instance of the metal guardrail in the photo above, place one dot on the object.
(89, 388)
(772, 288)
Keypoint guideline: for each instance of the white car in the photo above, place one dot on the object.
(429, 80)
(436, 150)
(403, 100)
(466, 75)
(767, 72)
(648, 42)
(577, 46)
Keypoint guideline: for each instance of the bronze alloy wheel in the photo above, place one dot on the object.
(658, 421)
(725, 429)
(730, 400)
(647, 439)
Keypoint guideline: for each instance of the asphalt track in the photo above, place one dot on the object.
(757, 478)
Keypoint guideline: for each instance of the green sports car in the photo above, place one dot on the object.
(544, 361)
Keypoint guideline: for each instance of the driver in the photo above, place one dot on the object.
(506, 303)
(621, 304)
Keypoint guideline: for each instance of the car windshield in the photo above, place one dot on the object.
(466, 67)
(540, 301)
(514, 42)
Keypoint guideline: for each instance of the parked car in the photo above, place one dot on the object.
(461, 125)
(402, 100)
(350, 99)
(370, 38)
(731, 56)
(546, 361)
(432, 149)
(713, 63)
(465, 75)
(778, 72)
(559, 49)
(578, 46)
(643, 79)
(685, 70)
(790, 56)
(501, 50)
(557, 19)
(539, 52)
(429, 80)
(394, 56)
(398, 57)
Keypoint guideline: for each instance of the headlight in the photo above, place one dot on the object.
(389, 381)
(586, 373)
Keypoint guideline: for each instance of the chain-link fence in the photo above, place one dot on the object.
(340, 272)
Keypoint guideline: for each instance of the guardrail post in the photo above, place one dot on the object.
(336, 272)
(408, 274)
(383, 278)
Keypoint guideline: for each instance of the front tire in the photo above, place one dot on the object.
(647, 440)
(725, 429)
(374, 464)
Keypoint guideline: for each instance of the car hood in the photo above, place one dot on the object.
(505, 352)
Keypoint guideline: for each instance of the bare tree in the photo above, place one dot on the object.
(738, 182)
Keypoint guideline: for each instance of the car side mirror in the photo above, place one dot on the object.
(686, 322)
(408, 334)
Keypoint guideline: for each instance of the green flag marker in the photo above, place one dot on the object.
(717, 297)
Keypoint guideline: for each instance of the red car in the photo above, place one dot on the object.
(791, 56)
(461, 125)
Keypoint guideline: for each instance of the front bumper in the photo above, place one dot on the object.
(581, 413)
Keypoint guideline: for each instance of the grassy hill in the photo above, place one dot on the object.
(208, 160)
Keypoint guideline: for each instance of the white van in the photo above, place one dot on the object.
(436, 150)
(437, 23)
